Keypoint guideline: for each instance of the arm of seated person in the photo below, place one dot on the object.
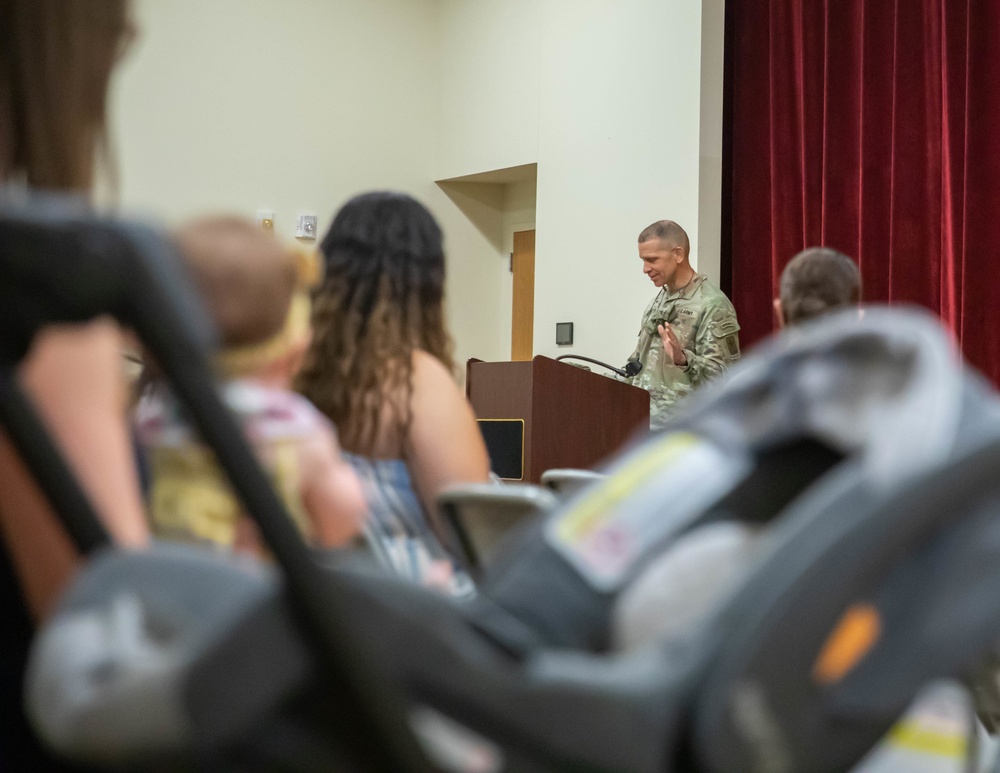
(74, 377)
(444, 445)
(331, 492)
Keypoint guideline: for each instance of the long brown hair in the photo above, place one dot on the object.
(382, 298)
(56, 60)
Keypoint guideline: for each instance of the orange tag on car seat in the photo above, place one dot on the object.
(852, 638)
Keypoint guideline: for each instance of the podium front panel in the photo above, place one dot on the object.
(581, 417)
(501, 391)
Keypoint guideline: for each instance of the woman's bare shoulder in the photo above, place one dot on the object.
(444, 444)
(426, 365)
(432, 379)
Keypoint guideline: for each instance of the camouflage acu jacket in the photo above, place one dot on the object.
(705, 324)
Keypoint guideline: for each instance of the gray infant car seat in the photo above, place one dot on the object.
(172, 658)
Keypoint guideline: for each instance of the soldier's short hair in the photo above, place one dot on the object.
(666, 231)
(816, 281)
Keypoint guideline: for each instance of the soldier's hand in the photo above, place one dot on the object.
(671, 346)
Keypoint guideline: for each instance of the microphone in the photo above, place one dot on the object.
(632, 367)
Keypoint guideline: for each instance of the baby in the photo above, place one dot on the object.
(256, 292)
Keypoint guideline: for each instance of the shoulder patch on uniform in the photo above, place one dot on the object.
(724, 327)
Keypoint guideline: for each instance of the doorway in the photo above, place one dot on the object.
(522, 266)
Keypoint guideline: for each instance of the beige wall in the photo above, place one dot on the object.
(292, 104)
(489, 88)
(240, 104)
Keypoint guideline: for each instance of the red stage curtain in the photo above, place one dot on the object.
(871, 126)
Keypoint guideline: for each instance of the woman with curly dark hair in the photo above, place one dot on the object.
(380, 367)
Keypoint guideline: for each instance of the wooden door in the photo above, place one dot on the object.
(523, 309)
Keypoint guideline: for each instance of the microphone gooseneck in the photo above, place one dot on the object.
(631, 367)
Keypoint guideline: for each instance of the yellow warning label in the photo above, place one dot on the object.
(599, 507)
(914, 737)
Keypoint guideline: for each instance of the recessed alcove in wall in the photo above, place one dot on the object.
(491, 199)
(500, 203)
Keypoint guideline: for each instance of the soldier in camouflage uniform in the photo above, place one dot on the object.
(689, 332)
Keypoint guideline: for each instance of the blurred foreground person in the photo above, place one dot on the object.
(56, 62)
(54, 72)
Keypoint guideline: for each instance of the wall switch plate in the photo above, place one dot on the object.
(305, 226)
(564, 333)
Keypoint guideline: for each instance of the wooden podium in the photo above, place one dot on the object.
(570, 417)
